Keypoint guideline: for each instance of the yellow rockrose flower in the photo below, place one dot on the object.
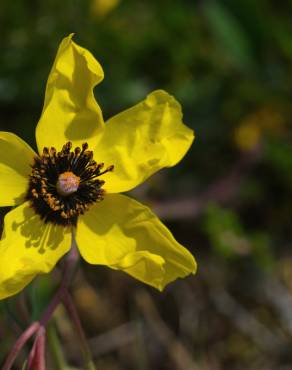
(65, 194)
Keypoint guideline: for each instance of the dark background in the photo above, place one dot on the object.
(229, 63)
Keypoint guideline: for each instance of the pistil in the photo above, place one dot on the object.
(67, 183)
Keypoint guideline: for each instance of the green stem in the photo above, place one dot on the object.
(55, 347)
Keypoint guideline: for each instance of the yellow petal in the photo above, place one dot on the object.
(28, 247)
(142, 140)
(15, 159)
(70, 111)
(125, 235)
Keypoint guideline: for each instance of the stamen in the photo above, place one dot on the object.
(63, 185)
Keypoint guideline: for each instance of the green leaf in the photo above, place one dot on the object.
(225, 232)
(40, 293)
(230, 36)
(279, 153)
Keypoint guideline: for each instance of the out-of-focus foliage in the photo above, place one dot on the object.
(230, 241)
(230, 65)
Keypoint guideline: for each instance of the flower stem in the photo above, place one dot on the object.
(37, 358)
(71, 309)
(24, 337)
(41, 349)
(38, 327)
(71, 261)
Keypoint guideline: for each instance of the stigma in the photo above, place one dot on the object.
(67, 183)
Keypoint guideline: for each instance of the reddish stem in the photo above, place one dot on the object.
(71, 309)
(31, 357)
(38, 327)
(24, 337)
(71, 260)
(40, 361)
(37, 355)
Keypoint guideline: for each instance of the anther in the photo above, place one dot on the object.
(108, 169)
(53, 151)
(77, 150)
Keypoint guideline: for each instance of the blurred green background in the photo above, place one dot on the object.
(229, 63)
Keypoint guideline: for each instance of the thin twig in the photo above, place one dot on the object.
(221, 191)
(71, 309)
(265, 338)
(114, 339)
(176, 350)
(276, 292)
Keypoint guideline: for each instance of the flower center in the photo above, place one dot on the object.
(63, 185)
(67, 183)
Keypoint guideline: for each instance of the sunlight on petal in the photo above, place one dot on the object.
(28, 247)
(126, 235)
(142, 140)
(16, 156)
(70, 111)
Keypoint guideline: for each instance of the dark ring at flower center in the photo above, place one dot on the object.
(62, 185)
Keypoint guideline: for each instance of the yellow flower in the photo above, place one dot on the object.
(101, 8)
(252, 129)
(63, 192)
(247, 136)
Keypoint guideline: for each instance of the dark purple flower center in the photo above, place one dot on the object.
(63, 185)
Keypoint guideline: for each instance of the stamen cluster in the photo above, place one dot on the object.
(54, 205)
